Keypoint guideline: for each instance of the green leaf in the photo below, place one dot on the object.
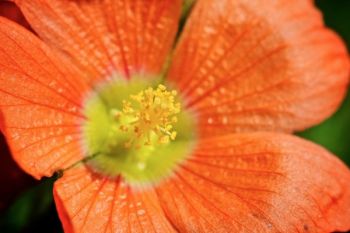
(28, 208)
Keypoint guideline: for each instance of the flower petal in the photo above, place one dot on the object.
(247, 65)
(87, 203)
(107, 37)
(40, 103)
(258, 182)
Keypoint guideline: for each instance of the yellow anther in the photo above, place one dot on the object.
(173, 135)
(123, 128)
(152, 113)
(164, 139)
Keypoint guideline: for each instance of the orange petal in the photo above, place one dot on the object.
(258, 182)
(106, 37)
(248, 65)
(87, 203)
(40, 103)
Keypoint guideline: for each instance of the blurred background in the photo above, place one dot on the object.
(26, 205)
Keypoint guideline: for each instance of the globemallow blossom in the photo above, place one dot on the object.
(151, 133)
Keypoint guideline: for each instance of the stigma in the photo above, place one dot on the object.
(148, 117)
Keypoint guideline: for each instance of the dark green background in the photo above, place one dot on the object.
(33, 210)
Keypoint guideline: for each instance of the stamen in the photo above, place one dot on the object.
(151, 114)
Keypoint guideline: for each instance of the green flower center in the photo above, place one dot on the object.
(137, 129)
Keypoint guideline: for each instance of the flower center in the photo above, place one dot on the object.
(137, 129)
(151, 113)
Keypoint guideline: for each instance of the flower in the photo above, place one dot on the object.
(10, 173)
(194, 140)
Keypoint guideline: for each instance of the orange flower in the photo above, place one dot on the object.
(97, 101)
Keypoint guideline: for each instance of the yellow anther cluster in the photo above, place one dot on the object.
(153, 113)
